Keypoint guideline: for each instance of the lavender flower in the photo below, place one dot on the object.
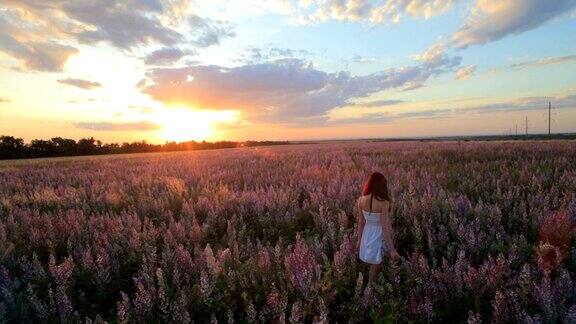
(302, 267)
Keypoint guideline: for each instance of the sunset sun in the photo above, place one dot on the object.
(186, 125)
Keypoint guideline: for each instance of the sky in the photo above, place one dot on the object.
(177, 70)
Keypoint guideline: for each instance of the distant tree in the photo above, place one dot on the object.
(64, 146)
(11, 147)
(39, 148)
(87, 146)
(15, 148)
(112, 148)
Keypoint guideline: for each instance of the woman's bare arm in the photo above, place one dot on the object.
(361, 223)
(387, 230)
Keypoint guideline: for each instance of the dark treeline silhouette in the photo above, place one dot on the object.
(15, 148)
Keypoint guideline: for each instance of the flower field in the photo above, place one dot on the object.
(267, 234)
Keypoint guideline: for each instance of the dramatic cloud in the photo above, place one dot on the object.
(544, 61)
(34, 31)
(166, 56)
(371, 11)
(124, 24)
(79, 83)
(491, 20)
(109, 126)
(289, 90)
(465, 72)
(36, 56)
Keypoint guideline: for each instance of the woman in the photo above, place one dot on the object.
(375, 226)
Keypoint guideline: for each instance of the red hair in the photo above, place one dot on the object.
(377, 185)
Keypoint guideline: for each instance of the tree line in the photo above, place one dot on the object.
(15, 148)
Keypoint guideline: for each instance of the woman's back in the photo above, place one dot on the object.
(373, 204)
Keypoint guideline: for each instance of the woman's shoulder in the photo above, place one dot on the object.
(362, 199)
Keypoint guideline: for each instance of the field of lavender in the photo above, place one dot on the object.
(267, 235)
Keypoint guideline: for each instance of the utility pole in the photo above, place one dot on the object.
(526, 125)
(516, 129)
(549, 116)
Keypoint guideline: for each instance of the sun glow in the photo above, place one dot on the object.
(185, 125)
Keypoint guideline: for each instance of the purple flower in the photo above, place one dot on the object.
(344, 257)
(302, 268)
(123, 309)
(61, 272)
(296, 314)
(143, 302)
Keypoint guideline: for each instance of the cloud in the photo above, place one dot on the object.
(288, 90)
(34, 31)
(377, 103)
(269, 52)
(166, 56)
(436, 56)
(519, 104)
(386, 117)
(208, 32)
(363, 60)
(524, 104)
(370, 11)
(79, 83)
(34, 55)
(141, 109)
(425, 114)
(491, 20)
(110, 126)
(2, 99)
(124, 24)
(22, 44)
(544, 61)
(367, 118)
(465, 72)
(31, 31)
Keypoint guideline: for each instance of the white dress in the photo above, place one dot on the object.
(372, 242)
